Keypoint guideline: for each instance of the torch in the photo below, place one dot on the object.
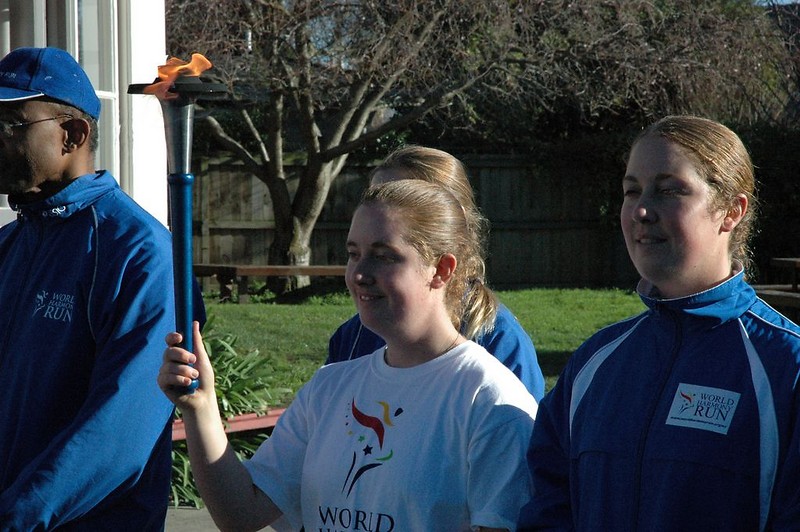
(177, 88)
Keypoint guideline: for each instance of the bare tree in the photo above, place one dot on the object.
(607, 64)
(787, 18)
(327, 77)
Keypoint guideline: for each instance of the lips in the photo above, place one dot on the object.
(649, 240)
(367, 297)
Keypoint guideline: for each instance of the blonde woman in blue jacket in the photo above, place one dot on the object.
(686, 417)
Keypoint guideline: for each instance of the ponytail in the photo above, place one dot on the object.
(480, 309)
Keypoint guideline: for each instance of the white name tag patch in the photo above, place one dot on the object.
(702, 407)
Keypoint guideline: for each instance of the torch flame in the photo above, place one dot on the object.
(167, 74)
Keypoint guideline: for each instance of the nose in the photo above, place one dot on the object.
(361, 278)
(643, 210)
(358, 273)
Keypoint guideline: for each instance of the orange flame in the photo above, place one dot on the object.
(167, 74)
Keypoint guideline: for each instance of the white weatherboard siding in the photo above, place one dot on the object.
(143, 150)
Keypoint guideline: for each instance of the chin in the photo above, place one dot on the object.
(657, 271)
(371, 322)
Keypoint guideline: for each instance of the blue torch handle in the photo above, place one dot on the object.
(180, 193)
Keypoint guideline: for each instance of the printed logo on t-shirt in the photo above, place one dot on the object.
(368, 427)
(703, 407)
(369, 433)
(55, 306)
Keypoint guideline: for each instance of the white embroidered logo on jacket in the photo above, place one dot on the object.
(56, 307)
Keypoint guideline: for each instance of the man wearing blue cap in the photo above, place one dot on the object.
(85, 292)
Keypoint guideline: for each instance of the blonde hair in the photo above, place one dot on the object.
(723, 162)
(440, 168)
(437, 224)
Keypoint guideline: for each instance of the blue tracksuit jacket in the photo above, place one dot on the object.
(507, 341)
(86, 291)
(686, 417)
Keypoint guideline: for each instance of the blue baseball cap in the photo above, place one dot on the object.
(27, 73)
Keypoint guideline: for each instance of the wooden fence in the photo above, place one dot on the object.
(547, 227)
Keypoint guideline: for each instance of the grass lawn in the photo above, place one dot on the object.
(294, 335)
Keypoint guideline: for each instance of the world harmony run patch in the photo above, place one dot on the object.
(702, 407)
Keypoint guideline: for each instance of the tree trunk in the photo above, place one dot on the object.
(292, 241)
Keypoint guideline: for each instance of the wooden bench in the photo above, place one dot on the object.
(788, 263)
(780, 298)
(229, 274)
(784, 297)
(786, 301)
(243, 423)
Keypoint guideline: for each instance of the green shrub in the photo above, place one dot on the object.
(243, 385)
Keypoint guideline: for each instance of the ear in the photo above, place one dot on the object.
(734, 214)
(76, 134)
(444, 270)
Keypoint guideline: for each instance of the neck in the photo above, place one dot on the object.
(413, 353)
(41, 192)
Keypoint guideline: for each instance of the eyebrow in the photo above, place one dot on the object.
(658, 177)
(375, 245)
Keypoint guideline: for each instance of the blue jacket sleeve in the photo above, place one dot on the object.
(549, 464)
(785, 508)
(512, 346)
(105, 450)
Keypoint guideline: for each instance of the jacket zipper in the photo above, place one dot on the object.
(651, 417)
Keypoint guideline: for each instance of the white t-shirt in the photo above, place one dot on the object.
(366, 446)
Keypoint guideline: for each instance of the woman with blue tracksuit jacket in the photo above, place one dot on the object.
(686, 417)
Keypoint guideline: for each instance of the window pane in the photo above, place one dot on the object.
(105, 157)
(58, 24)
(95, 42)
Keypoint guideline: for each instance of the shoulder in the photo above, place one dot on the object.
(348, 328)
(7, 229)
(505, 320)
(119, 212)
(776, 338)
(513, 346)
(125, 228)
(342, 368)
(507, 334)
(761, 315)
(133, 249)
(498, 399)
(332, 380)
(492, 380)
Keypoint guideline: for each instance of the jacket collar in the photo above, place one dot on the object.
(723, 302)
(83, 191)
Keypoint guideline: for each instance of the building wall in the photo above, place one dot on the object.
(143, 152)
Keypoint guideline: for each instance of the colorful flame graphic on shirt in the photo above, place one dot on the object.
(378, 427)
(370, 422)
